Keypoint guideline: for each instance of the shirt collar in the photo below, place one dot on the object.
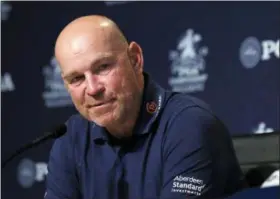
(153, 98)
(152, 102)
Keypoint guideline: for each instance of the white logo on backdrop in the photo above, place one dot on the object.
(262, 128)
(55, 94)
(5, 11)
(252, 51)
(30, 172)
(188, 64)
(7, 83)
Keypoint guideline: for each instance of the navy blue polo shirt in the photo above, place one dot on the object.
(179, 149)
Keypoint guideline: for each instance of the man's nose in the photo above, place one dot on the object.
(94, 86)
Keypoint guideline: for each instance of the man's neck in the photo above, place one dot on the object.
(125, 127)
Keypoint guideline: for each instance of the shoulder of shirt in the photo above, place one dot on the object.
(76, 120)
(183, 105)
(77, 126)
(178, 102)
(193, 109)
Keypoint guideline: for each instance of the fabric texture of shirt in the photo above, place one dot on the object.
(179, 150)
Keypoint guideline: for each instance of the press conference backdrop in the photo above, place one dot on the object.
(226, 53)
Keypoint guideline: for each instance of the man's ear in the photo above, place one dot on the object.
(64, 82)
(136, 56)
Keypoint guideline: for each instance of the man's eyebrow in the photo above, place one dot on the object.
(92, 63)
(71, 74)
(101, 58)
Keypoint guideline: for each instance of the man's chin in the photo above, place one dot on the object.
(102, 120)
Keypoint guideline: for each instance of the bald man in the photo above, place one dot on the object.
(132, 139)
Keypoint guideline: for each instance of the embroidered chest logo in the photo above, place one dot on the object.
(151, 107)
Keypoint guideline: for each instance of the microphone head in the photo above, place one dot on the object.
(58, 131)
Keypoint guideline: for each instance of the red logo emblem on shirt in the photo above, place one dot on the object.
(151, 107)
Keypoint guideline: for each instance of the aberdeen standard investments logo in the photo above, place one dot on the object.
(55, 94)
(252, 51)
(187, 64)
(190, 185)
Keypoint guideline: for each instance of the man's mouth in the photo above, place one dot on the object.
(99, 104)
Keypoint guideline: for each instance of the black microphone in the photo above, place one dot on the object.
(56, 133)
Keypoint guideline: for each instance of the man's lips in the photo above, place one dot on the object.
(100, 104)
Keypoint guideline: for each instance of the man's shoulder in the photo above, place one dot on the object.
(76, 135)
(76, 125)
(188, 115)
(178, 102)
(76, 120)
(188, 111)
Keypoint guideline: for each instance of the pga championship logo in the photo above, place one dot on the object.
(252, 51)
(188, 64)
(30, 172)
(55, 94)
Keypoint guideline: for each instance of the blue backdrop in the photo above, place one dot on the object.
(226, 53)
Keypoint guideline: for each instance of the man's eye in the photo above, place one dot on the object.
(76, 79)
(103, 69)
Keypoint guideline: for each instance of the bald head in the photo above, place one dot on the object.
(89, 31)
(102, 72)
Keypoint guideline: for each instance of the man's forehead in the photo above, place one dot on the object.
(73, 66)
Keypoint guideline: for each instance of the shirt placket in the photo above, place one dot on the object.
(120, 185)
